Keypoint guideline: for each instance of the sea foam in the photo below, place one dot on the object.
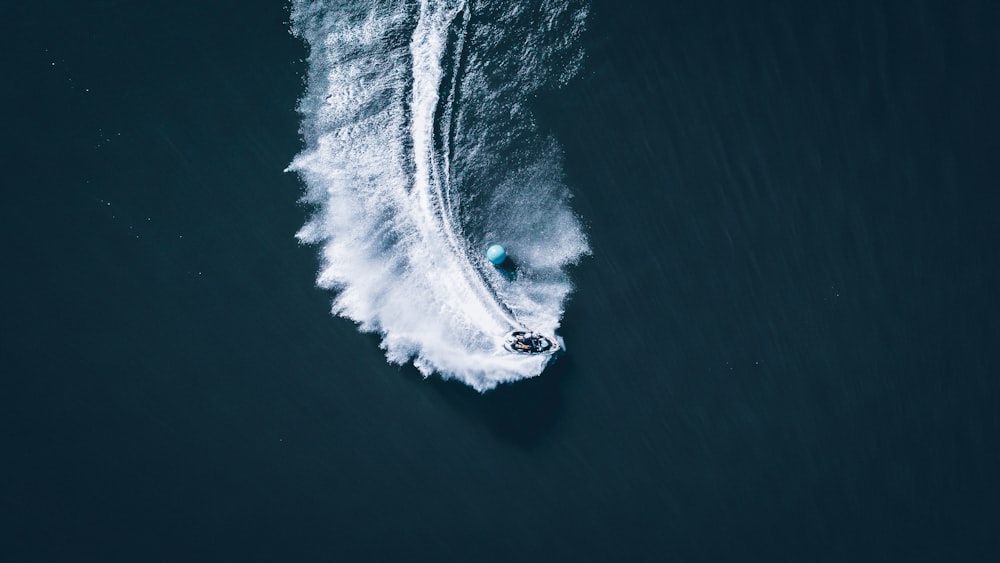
(420, 151)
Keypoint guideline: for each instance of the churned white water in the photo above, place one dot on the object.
(420, 152)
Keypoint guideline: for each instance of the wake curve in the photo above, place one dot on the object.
(419, 150)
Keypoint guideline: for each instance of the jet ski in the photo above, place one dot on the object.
(528, 342)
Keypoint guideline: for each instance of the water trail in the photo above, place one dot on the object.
(427, 49)
(419, 152)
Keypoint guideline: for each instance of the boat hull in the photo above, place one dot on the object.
(529, 343)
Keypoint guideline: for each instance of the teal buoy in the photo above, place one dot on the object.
(496, 254)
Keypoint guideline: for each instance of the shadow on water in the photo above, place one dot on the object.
(521, 413)
(508, 269)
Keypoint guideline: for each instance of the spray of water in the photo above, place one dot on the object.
(419, 152)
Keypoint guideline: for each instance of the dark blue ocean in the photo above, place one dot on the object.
(766, 233)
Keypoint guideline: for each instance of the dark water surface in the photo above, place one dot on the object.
(782, 348)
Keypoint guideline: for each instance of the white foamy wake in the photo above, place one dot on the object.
(419, 152)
